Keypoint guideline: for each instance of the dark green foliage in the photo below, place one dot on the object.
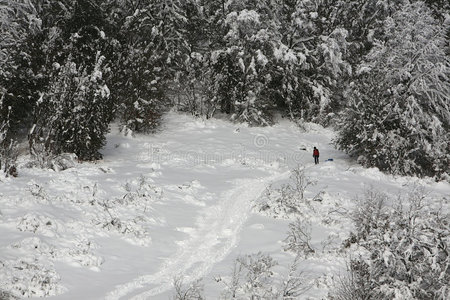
(80, 113)
(8, 146)
(74, 110)
(21, 75)
(148, 56)
(138, 78)
(248, 59)
(241, 65)
(398, 116)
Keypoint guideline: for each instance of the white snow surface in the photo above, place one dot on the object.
(178, 203)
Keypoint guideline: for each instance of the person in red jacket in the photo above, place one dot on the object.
(316, 155)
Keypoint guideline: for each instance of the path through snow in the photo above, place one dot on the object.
(216, 233)
(182, 202)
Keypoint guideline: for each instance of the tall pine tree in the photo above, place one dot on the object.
(73, 112)
(398, 118)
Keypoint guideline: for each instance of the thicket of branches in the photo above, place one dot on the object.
(405, 249)
(68, 68)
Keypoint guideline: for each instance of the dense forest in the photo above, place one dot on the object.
(378, 71)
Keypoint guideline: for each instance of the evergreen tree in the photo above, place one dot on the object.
(244, 58)
(74, 110)
(20, 75)
(8, 146)
(241, 67)
(193, 80)
(73, 115)
(149, 58)
(398, 118)
(310, 58)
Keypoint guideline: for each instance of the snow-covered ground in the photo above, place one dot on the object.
(181, 203)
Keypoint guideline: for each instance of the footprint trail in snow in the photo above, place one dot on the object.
(216, 233)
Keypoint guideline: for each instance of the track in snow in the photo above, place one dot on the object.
(216, 233)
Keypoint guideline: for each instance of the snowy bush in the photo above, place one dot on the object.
(4, 295)
(253, 277)
(141, 195)
(129, 214)
(36, 245)
(298, 240)
(80, 252)
(355, 284)
(26, 278)
(193, 291)
(8, 158)
(38, 192)
(299, 237)
(258, 275)
(133, 228)
(41, 157)
(38, 224)
(44, 159)
(289, 198)
(64, 161)
(129, 227)
(293, 284)
(141, 116)
(372, 211)
(405, 249)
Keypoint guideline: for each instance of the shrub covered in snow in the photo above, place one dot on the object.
(45, 159)
(80, 252)
(405, 249)
(28, 278)
(130, 214)
(289, 198)
(193, 291)
(37, 224)
(253, 277)
(298, 240)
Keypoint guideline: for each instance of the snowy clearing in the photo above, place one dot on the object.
(184, 202)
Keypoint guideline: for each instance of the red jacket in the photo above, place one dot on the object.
(316, 152)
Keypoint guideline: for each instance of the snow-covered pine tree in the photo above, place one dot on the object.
(74, 114)
(8, 146)
(285, 85)
(138, 88)
(74, 110)
(151, 54)
(241, 66)
(20, 74)
(11, 29)
(326, 51)
(399, 116)
(310, 58)
(193, 81)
